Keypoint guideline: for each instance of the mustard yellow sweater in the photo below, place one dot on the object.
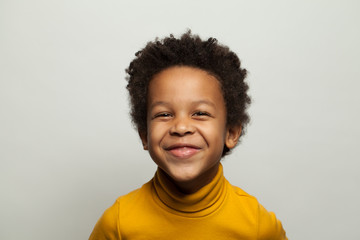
(158, 211)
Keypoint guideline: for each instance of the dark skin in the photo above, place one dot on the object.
(187, 126)
(189, 50)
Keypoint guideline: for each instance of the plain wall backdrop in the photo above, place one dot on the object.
(67, 146)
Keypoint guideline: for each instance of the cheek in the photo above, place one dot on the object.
(156, 132)
(215, 132)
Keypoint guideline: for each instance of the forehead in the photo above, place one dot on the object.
(184, 82)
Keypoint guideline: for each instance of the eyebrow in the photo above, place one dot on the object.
(199, 102)
(158, 103)
(206, 102)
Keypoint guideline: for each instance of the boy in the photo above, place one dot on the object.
(188, 103)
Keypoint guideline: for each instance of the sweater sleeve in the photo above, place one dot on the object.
(107, 226)
(269, 228)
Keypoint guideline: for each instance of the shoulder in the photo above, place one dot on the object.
(134, 198)
(241, 193)
(107, 227)
(268, 226)
(245, 198)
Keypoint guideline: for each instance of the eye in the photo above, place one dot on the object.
(162, 115)
(201, 114)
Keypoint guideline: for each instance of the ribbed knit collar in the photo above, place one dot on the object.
(201, 203)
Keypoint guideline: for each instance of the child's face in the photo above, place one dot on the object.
(186, 125)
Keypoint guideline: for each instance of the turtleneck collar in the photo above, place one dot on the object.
(203, 202)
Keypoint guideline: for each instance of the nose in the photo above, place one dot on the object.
(182, 126)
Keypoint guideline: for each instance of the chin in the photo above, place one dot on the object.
(183, 174)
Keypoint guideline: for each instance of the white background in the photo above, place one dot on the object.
(67, 147)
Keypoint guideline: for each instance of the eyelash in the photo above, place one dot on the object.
(195, 114)
(165, 115)
(201, 113)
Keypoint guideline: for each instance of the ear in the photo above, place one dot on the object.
(232, 136)
(143, 137)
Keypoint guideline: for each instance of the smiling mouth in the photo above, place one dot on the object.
(183, 151)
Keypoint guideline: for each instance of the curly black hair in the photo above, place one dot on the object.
(189, 50)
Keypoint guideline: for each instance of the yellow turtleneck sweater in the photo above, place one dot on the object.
(159, 211)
